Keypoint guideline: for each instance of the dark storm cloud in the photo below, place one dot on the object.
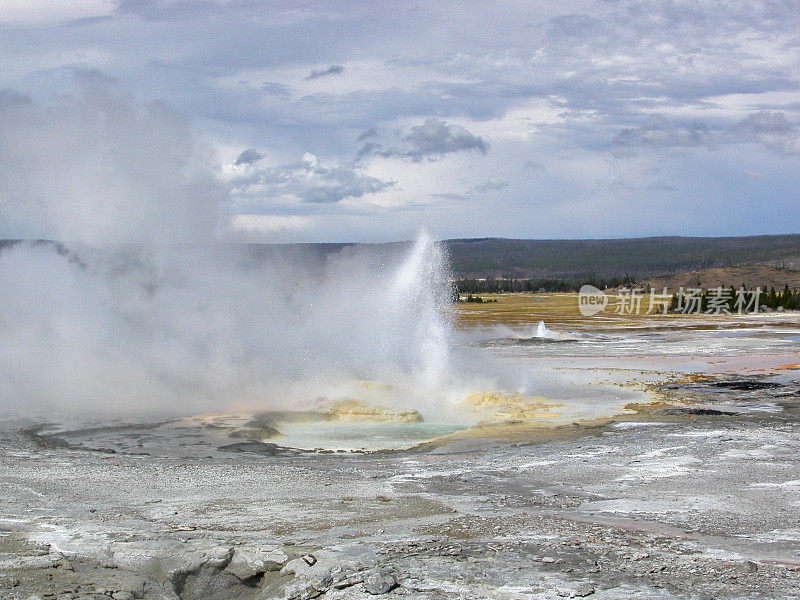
(659, 131)
(367, 149)
(276, 89)
(573, 25)
(367, 133)
(249, 156)
(434, 137)
(431, 140)
(10, 97)
(331, 70)
(491, 185)
(770, 129)
(158, 10)
(661, 185)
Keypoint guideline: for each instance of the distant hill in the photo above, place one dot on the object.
(750, 276)
(637, 257)
(578, 261)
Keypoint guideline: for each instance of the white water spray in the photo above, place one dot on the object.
(422, 297)
(187, 329)
(542, 331)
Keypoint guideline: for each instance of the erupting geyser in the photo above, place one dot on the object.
(422, 297)
(183, 329)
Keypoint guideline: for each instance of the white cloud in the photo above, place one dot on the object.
(269, 227)
(47, 11)
(545, 85)
(307, 181)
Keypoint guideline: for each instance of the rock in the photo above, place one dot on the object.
(580, 591)
(7, 582)
(696, 410)
(548, 560)
(291, 567)
(257, 434)
(307, 590)
(380, 580)
(347, 575)
(122, 595)
(217, 557)
(66, 565)
(267, 449)
(297, 567)
(346, 580)
(23, 563)
(156, 559)
(248, 562)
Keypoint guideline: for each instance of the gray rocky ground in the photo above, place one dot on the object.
(683, 500)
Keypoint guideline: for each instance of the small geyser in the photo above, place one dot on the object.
(542, 331)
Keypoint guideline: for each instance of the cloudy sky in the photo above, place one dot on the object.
(334, 121)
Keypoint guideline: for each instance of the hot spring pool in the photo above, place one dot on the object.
(348, 436)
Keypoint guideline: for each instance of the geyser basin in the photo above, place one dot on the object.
(331, 425)
(218, 435)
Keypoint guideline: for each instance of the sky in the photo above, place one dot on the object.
(165, 120)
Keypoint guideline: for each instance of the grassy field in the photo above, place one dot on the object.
(561, 309)
(519, 309)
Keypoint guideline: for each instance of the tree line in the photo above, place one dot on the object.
(502, 285)
(786, 299)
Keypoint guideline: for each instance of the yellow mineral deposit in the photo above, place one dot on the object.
(356, 410)
(495, 408)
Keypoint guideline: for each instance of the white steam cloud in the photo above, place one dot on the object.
(97, 167)
(139, 310)
(188, 328)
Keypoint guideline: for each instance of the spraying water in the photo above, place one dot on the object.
(423, 298)
(143, 309)
(542, 331)
(191, 328)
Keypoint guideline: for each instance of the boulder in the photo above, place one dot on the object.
(312, 588)
(380, 580)
(249, 561)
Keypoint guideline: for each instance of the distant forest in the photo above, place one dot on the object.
(504, 265)
(586, 261)
(492, 285)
